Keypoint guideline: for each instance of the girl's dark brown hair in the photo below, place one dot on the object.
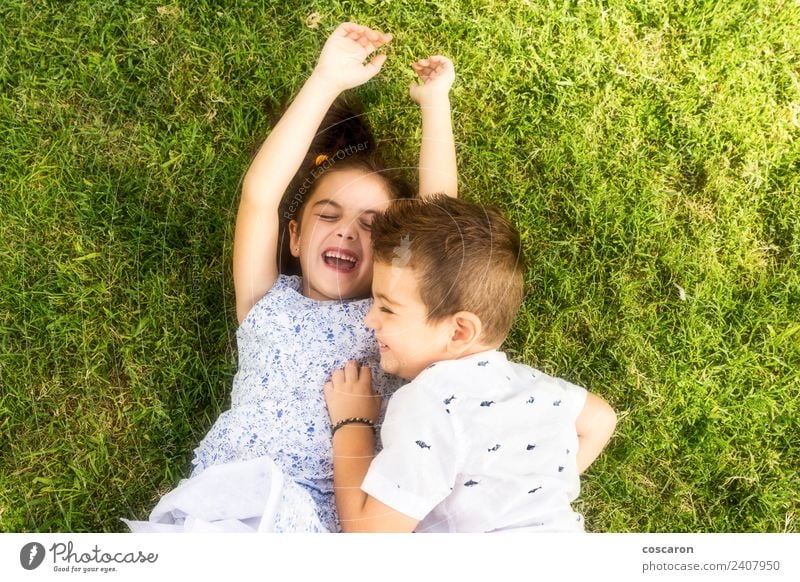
(345, 138)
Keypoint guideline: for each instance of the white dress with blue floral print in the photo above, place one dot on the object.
(288, 347)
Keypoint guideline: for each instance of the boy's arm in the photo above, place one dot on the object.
(438, 171)
(341, 66)
(349, 395)
(595, 425)
(353, 451)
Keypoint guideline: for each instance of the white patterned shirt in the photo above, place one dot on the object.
(481, 444)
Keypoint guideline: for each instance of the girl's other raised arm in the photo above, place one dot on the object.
(341, 66)
(438, 172)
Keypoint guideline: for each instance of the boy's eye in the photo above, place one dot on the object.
(386, 310)
(366, 225)
(327, 216)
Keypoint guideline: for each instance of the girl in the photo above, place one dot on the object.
(266, 463)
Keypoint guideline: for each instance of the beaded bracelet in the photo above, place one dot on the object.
(347, 421)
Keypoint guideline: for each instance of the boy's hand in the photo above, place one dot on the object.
(437, 75)
(349, 394)
(341, 64)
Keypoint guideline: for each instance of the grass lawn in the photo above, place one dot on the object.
(649, 152)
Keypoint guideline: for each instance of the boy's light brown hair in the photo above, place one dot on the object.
(466, 257)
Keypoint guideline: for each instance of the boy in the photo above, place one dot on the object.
(473, 442)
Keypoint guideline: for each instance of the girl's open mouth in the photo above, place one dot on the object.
(340, 260)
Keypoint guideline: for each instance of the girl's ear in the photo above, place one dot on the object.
(294, 238)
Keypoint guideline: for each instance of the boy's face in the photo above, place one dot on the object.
(408, 342)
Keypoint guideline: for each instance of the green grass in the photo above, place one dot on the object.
(648, 151)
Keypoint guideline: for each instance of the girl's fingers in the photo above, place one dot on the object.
(344, 380)
(350, 27)
(380, 39)
(347, 371)
(351, 372)
(365, 375)
(377, 62)
(363, 35)
(420, 70)
(437, 62)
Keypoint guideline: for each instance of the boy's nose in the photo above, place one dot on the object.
(369, 318)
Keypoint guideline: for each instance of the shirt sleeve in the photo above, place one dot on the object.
(573, 395)
(385, 385)
(416, 469)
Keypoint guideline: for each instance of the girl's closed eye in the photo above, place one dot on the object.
(387, 310)
(327, 217)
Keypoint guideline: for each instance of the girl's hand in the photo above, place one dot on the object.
(437, 75)
(349, 394)
(342, 63)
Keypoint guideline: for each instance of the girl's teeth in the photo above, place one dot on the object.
(341, 260)
(334, 255)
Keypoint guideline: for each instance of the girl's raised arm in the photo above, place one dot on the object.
(438, 172)
(341, 66)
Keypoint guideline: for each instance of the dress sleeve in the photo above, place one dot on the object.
(416, 469)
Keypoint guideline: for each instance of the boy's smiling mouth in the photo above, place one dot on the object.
(340, 259)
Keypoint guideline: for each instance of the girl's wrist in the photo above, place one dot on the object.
(323, 85)
(353, 421)
(436, 102)
(373, 418)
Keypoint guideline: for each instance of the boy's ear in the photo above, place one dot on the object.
(466, 331)
(294, 238)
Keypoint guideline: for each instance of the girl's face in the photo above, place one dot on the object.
(334, 243)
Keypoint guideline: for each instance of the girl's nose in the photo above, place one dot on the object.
(347, 230)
